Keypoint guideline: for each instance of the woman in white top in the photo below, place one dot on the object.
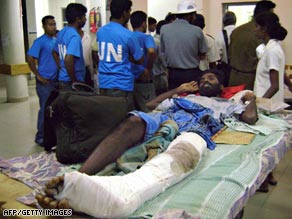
(269, 82)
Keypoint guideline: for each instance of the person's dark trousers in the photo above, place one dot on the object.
(88, 78)
(43, 92)
(65, 86)
(119, 93)
(178, 76)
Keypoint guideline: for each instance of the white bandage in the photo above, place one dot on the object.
(119, 196)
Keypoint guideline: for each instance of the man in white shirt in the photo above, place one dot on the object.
(229, 21)
(212, 55)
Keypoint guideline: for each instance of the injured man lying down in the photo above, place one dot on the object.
(195, 118)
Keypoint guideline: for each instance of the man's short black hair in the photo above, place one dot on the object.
(170, 17)
(262, 6)
(219, 74)
(151, 20)
(229, 18)
(199, 21)
(159, 25)
(137, 18)
(117, 8)
(73, 11)
(46, 18)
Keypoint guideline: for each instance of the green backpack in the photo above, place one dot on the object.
(76, 121)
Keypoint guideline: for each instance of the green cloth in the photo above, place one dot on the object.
(265, 125)
(137, 156)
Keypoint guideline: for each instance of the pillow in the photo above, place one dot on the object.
(228, 92)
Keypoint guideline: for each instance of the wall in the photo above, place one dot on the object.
(159, 9)
(54, 7)
(139, 5)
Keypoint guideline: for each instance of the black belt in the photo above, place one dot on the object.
(245, 72)
(108, 92)
(183, 69)
(137, 81)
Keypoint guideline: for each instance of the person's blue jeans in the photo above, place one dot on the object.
(43, 92)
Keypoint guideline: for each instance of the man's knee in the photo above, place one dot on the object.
(135, 121)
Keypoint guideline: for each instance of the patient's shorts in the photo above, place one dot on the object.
(153, 121)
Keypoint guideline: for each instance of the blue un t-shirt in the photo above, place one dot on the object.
(41, 50)
(146, 42)
(116, 44)
(69, 43)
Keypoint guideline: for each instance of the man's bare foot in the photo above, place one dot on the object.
(51, 189)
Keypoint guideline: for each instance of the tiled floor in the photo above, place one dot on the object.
(18, 127)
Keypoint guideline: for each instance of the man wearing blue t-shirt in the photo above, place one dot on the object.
(46, 72)
(144, 88)
(118, 47)
(68, 51)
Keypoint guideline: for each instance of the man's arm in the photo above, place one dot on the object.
(56, 58)
(151, 56)
(137, 62)
(32, 65)
(69, 65)
(183, 88)
(287, 81)
(250, 115)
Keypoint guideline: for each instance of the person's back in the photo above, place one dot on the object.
(181, 44)
(66, 36)
(144, 87)
(159, 69)
(244, 40)
(212, 55)
(68, 49)
(118, 47)
(242, 50)
(114, 63)
(229, 21)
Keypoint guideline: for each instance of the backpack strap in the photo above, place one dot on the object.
(225, 40)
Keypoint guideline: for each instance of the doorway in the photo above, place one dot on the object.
(243, 11)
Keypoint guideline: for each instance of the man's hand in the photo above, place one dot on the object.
(145, 76)
(188, 87)
(248, 96)
(44, 81)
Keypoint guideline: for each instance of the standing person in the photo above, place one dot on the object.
(242, 49)
(229, 21)
(144, 88)
(212, 55)
(170, 17)
(183, 44)
(159, 70)
(88, 58)
(152, 23)
(68, 51)
(269, 81)
(117, 46)
(46, 72)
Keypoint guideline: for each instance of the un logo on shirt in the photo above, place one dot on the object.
(107, 52)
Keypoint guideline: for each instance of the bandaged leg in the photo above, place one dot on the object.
(119, 196)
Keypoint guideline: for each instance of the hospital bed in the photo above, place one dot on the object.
(219, 187)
